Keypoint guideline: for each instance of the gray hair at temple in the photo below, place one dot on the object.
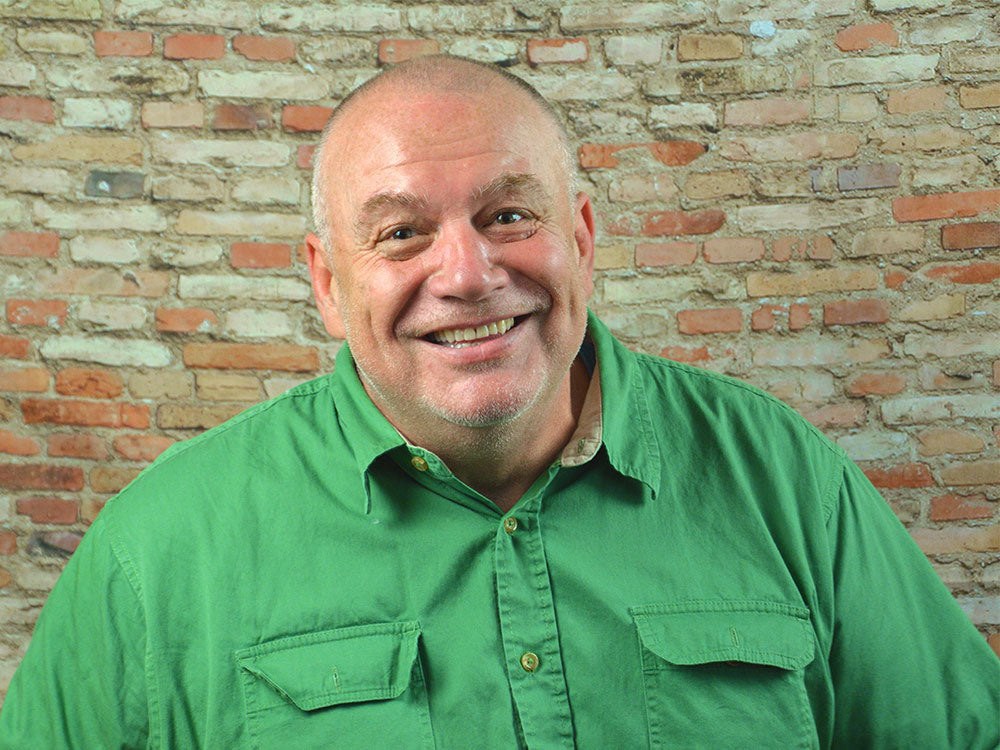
(444, 72)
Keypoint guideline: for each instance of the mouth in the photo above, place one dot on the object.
(458, 338)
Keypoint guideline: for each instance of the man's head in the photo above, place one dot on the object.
(449, 211)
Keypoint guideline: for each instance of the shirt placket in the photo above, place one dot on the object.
(529, 631)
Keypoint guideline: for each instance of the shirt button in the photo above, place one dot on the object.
(419, 463)
(510, 524)
(529, 661)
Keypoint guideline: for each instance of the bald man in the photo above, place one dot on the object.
(492, 525)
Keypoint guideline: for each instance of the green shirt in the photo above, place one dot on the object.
(718, 575)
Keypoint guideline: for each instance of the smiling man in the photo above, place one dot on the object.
(493, 526)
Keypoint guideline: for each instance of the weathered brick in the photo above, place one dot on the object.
(77, 445)
(217, 286)
(719, 320)
(960, 507)
(257, 323)
(789, 247)
(797, 147)
(164, 384)
(77, 381)
(933, 409)
(202, 188)
(27, 380)
(260, 255)
(52, 42)
(720, 184)
(195, 416)
(868, 176)
(633, 50)
(241, 117)
(122, 78)
(937, 138)
(227, 386)
(543, 51)
(185, 320)
(82, 148)
(240, 224)
(271, 189)
(222, 356)
(836, 415)
(304, 156)
(807, 216)
(882, 69)
(950, 344)
(173, 114)
(612, 256)
(658, 223)
(887, 241)
(869, 445)
(979, 97)
(113, 114)
(733, 249)
(671, 153)
(222, 153)
(901, 475)
(269, 48)
(22, 476)
(123, 43)
(194, 47)
(36, 312)
(111, 316)
(107, 350)
(48, 509)
(761, 112)
(104, 282)
(945, 205)
(958, 539)
(111, 479)
(496, 51)
(686, 353)
(8, 544)
(709, 47)
(972, 472)
(637, 188)
(114, 185)
(27, 108)
(940, 442)
(141, 447)
(16, 347)
(400, 50)
(971, 273)
(85, 413)
(666, 116)
(38, 180)
(305, 119)
(666, 253)
(114, 216)
(17, 445)
(270, 84)
(866, 35)
(853, 312)
(942, 307)
(18, 74)
(917, 99)
(971, 235)
(875, 384)
(797, 354)
(29, 244)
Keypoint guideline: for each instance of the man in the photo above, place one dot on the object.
(492, 525)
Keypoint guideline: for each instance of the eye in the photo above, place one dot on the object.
(403, 233)
(509, 217)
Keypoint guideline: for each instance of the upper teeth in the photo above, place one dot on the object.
(458, 335)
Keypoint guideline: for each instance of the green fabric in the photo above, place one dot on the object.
(717, 576)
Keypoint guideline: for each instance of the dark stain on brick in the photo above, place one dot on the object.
(114, 184)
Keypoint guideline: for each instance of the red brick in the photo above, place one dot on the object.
(14, 346)
(48, 509)
(5, 579)
(854, 311)
(305, 119)
(30, 380)
(111, 479)
(85, 413)
(36, 312)
(29, 244)
(18, 445)
(26, 108)
(994, 641)
(67, 541)
(288, 357)
(194, 47)
(945, 205)
(733, 250)
(399, 50)
(77, 445)
(141, 447)
(21, 476)
(894, 278)
(960, 507)
(78, 381)
(761, 112)
(876, 384)
(836, 415)
(818, 247)
(968, 236)
(184, 319)
(973, 273)
(241, 117)
(718, 320)
(799, 317)
(270, 48)
(864, 36)
(671, 153)
(543, 51)
(683, 222)
(123, 43)
(762, 319)
(304, 156)
(8, 543)
(260, 255)
(666, 254)
(685, 353)
(901, 475)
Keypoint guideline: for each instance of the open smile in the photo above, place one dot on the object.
(457, 338)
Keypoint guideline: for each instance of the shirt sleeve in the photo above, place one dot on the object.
(82, 683)
(908, 667)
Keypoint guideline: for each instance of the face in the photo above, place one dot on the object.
(460, 265)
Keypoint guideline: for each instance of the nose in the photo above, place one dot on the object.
(467, 266)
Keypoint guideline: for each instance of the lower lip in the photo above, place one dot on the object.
(491, 348)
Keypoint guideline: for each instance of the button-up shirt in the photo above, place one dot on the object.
(699, 569)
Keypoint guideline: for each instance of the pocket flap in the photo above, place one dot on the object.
(343, 665)
(758, 632)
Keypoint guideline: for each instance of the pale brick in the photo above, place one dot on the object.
(857, 107)
(38, 180)
(921, 139)
(797, 147)
(709, 47)
(195, 416)
(808, 216)
(945, 30)
(784, 183)
(583, 87)
(979, 97)
(351, 18)
(276, 386)
(887, 241)
(663, 83)
(740, 10)
(93, 281)
(671, 288)
(873, 446)
(934, 409)
(767, 284)
(87, 249)
(562, 50)
(958, 539)
(886, 6)
(943, 172)
(17, 74)
(106, 350)
(821, 353)
(740, 79)
(951, 344)
(941, 307)
(920, 99)
(983, 610)
(682, 115)
(706, 185)
(12, 211)
(227, 386)
(759, 112)
(52, 42)
(943, 442)
(108, 316)
(212, 13)
(281, 190)
(136, 218)
(612, 256)
(614, 17)
(190, 221)
(187, 254)
(633, 50)
(346, 50)
(262, 85)
(161, 384)
(82, 148)
(173, 114)
(971, 473)
(881, 69)
(798, 388)
(783, 44)
(221, 153)
(133, 79)
(263, 288)
(113, 114)
(253, 323)
(199, 188)
(975, 61)
(72, 10)
(637, 188)
(958, 377)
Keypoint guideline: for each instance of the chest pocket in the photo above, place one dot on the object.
(359, 686)
(726, 674)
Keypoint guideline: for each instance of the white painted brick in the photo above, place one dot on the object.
(870, 445)
(107, 350)
(809, 216)
(133, 79)
(926, 409)
(263, 85)
(263, 288)
(53, 42)
(200, 187)
(882, 69)
(945, 30)
(681, 115)
(257, 224)
(337, 49)
(175, 150)
(485, 50)
(950, 344)
(331, 17)
(435, 19)
(114, 114)
(282, 190)
(38, 180)
(256, 323)
(582, 86)
(751, 10)
(136, 218)
(88, 249)
(782, 44)
(617, 16)
(187, 254)
(110, 316)
(17, 74)
(12, 211)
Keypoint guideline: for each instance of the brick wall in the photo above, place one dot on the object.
(801, 194)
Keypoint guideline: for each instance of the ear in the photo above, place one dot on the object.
(585, 232)
(324, 287)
